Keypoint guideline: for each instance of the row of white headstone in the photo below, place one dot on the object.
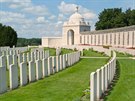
(31, 71)
(100, 80)
(7, 60)
(12, 51)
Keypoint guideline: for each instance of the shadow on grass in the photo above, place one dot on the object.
(113, 83)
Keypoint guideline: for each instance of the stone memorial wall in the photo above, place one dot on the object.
(119, 37)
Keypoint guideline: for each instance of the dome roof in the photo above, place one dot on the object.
(76, 17)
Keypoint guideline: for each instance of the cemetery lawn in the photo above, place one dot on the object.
(66, 51)
(67, 85)
(53, 51)
(119, 54)
(93, 53)
(124, 90)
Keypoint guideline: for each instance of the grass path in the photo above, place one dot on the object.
(124, 90)
(66, 85)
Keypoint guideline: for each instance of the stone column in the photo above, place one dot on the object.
(113, 39)
(101, 41)
(121, 39)
(90, 39)
(125, 39)
(130, 39)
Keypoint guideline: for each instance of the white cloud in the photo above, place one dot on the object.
(41, 19)
(89, 15)
(28, 27)
(67, 8)
(36, 10)
(26, 6)
(52, 17)
(19, 5)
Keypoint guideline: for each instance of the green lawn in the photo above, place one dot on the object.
(52, 51)
(67, 85)
(124, 90)
(93, 53)
(120, 54)
(66, 51)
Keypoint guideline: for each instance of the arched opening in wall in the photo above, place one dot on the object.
(70, 37)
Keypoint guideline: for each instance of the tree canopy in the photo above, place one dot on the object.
(114, 18)
(8, 36)
(21, 42)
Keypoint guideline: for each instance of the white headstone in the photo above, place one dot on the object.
(23, 74)
(50, 71)
(28, 57)
(13, 76)
(32, 56)
(64, 61)
(24, 57)
(3, 80)
(54, 64)
(3, 61)
(57, 63)
(61, 62)
(15, 60)
(99, 92)
(93, 86)
(32, 71)
(45, 67)
(38, 69)
(20, 58)
(9, 60)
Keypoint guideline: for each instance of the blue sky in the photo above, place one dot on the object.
(40, 18)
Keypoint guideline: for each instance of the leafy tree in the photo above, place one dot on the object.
(8, 36)
(114, 18)
(130, 15)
